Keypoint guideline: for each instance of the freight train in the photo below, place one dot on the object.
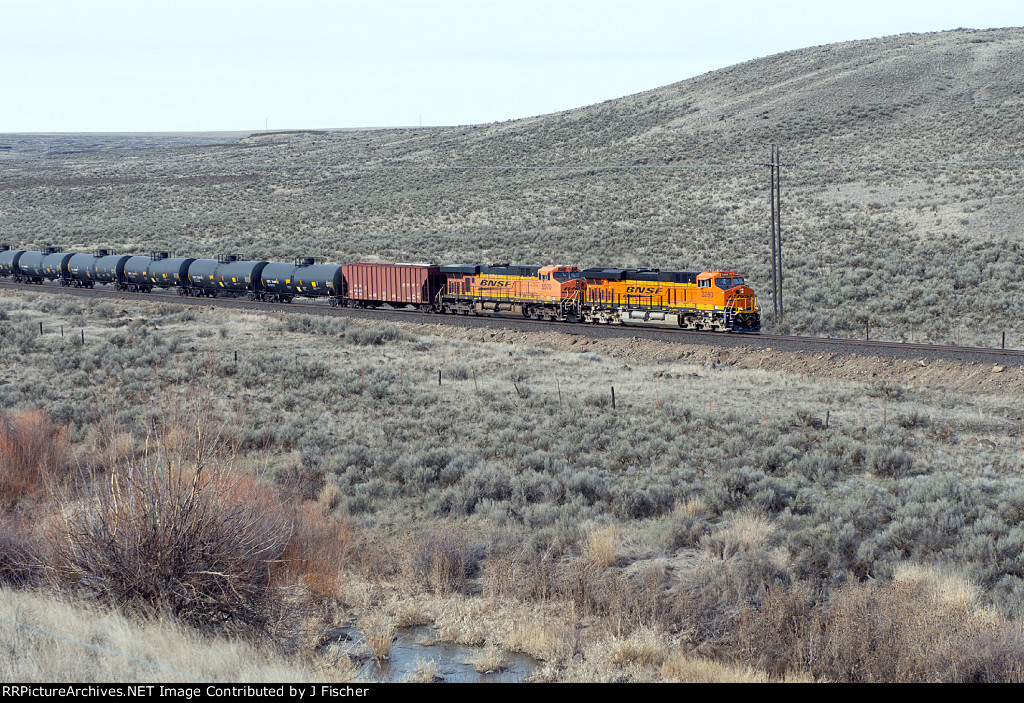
(695, 300)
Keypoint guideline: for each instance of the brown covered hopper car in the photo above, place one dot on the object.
(373, 284)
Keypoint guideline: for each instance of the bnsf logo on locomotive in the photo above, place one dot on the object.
(643, 290)
(495, 284)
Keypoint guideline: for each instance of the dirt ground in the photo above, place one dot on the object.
(993, 379)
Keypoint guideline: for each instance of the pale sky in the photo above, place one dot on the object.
(88, 66)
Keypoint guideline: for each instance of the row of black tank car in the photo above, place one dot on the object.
(258, 280)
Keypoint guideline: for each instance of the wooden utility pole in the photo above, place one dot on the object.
(777, 214)
(771, 200)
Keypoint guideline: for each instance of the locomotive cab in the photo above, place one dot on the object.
(726, 291)
(560, 281)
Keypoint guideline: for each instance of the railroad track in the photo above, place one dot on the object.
(981, 355)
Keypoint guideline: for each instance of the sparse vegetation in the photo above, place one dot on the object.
(754, 516)
(669, 531)
(652, 523)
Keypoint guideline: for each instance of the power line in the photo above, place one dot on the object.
(847, 164)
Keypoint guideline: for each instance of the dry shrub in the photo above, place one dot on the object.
(776, 636)
(20, 563)
(198, 545)
(33, 453)
(321, 548)
(444, 559)
(624, 602)
(914, 630)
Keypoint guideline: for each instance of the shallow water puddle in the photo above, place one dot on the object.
(415, 647)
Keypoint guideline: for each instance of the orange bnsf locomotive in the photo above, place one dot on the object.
(537, 292)
(696, 300)
(693, 300)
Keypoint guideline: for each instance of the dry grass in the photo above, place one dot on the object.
(923, 627)
(552, 640)
(378, 634)
(682, 667)
(33, 455)
(691, 508)
(107, 444)
(408, 611)
(181, 655)
(644, 648)
(489, 659)
(443, 559)
(460, 622)
(951, 592)
(599, 547)
(745, 533)
(425, 672)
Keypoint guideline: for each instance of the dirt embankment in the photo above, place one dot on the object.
(996, 379)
